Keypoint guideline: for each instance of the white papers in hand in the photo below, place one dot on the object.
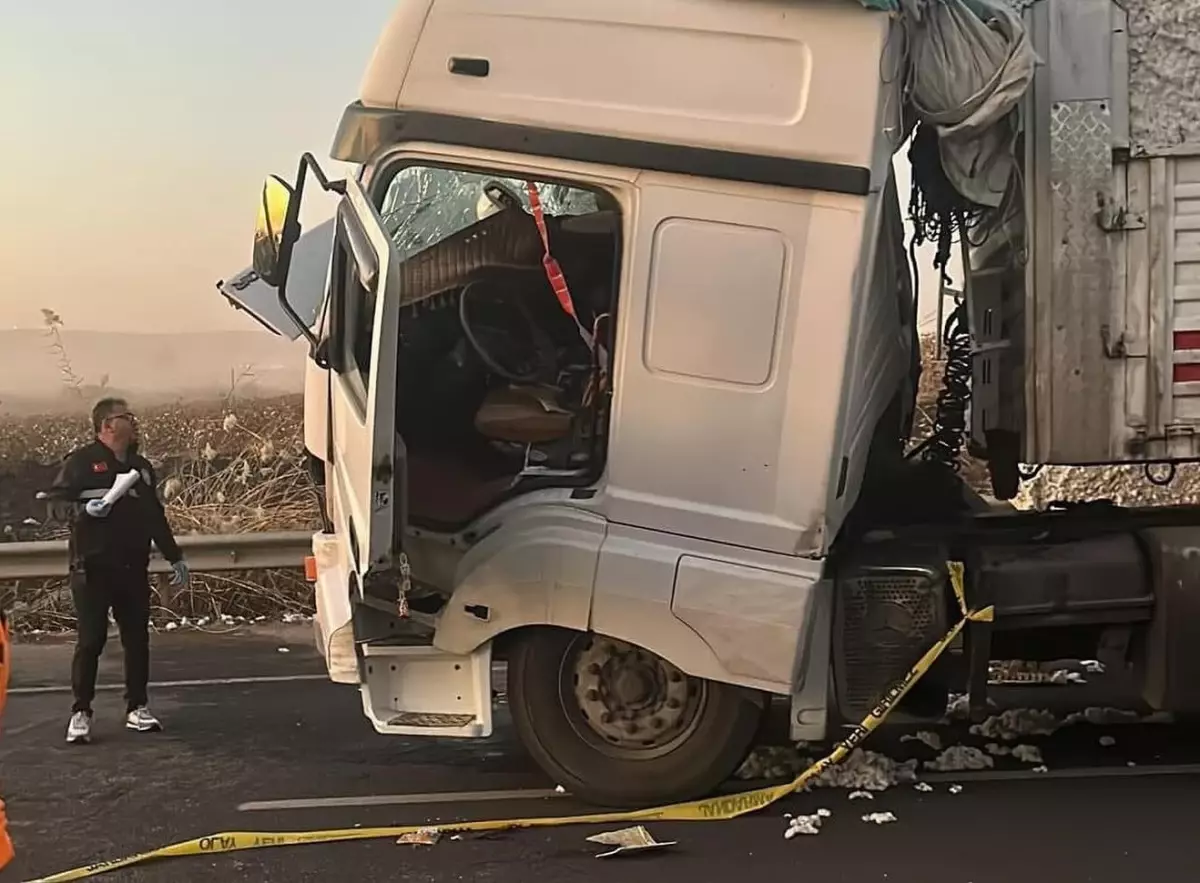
(120, 487)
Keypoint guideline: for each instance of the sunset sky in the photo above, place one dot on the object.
(137, 135)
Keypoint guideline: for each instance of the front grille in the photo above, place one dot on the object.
(885, 620)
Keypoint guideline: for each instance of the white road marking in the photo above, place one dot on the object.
(542, 793)
(402, 799)
(1087, 772)
(167, 685)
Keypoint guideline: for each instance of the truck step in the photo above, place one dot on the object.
(423, 691)
(426, 720)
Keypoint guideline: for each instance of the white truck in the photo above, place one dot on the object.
(614, 359)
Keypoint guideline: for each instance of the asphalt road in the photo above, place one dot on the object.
(232, 743)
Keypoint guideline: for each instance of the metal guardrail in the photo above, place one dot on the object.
(205, 553)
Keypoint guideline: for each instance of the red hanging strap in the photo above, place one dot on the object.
(554, 273)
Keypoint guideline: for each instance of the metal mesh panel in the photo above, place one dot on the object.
(886, 620)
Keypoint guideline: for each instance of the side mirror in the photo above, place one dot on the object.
(278, 229)
(271, 249)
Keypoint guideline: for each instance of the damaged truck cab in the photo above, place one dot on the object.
(607, 332)
(613, 362)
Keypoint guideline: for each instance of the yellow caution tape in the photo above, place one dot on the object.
(707, 809)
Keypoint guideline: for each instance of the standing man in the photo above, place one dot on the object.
(110, 555)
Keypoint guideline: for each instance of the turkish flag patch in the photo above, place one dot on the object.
(101, 466)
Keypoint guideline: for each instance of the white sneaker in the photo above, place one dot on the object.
(142, 720)
(79, 730)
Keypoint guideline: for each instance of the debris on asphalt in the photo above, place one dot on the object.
(865, 771)
(924, 787)
(1107, 741)
(1027, 754)
(809, 825)
(861, 795)
(285, 650)
(626, 840)
(772, 762)
(1102, 716)
(1159, 717)
(1015, 671)
(879, 818)
(933, 740)
(955, 789)
(957, 706)
(559, 789)
(423, 837)
(1041, 769)
(861, 770)
(960, 757)
(1013, 723)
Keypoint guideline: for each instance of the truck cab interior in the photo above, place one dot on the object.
(502, 381)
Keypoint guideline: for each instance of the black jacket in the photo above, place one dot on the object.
(122, 537)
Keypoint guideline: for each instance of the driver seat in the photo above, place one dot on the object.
(525, 415)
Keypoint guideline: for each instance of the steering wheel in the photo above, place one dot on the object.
(529, 352)
(502, 196)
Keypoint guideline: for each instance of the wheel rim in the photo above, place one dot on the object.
(625, 701)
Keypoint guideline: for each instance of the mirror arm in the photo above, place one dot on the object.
(308, 162)
(281, 293)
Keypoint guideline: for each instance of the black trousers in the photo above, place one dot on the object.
(97, 588)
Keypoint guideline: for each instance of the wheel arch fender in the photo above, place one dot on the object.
(538, 568)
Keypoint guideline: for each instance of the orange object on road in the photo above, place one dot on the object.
(6, 847)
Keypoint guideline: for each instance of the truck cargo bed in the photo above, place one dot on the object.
(1087, 318)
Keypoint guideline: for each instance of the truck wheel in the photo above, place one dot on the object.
(617, 725)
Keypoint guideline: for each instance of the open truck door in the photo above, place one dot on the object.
(362, 568)
(364, 457)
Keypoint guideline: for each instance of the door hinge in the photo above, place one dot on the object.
(1113, 348)
(1114, 218)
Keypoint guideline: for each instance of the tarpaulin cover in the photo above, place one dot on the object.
(969, 64)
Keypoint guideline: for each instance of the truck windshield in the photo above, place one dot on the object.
(424, 205)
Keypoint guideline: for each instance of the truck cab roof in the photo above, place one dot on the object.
(793, 79)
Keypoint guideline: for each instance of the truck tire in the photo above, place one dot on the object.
(616, 725)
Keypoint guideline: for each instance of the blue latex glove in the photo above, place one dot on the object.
(180, 573)
(97, 508)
